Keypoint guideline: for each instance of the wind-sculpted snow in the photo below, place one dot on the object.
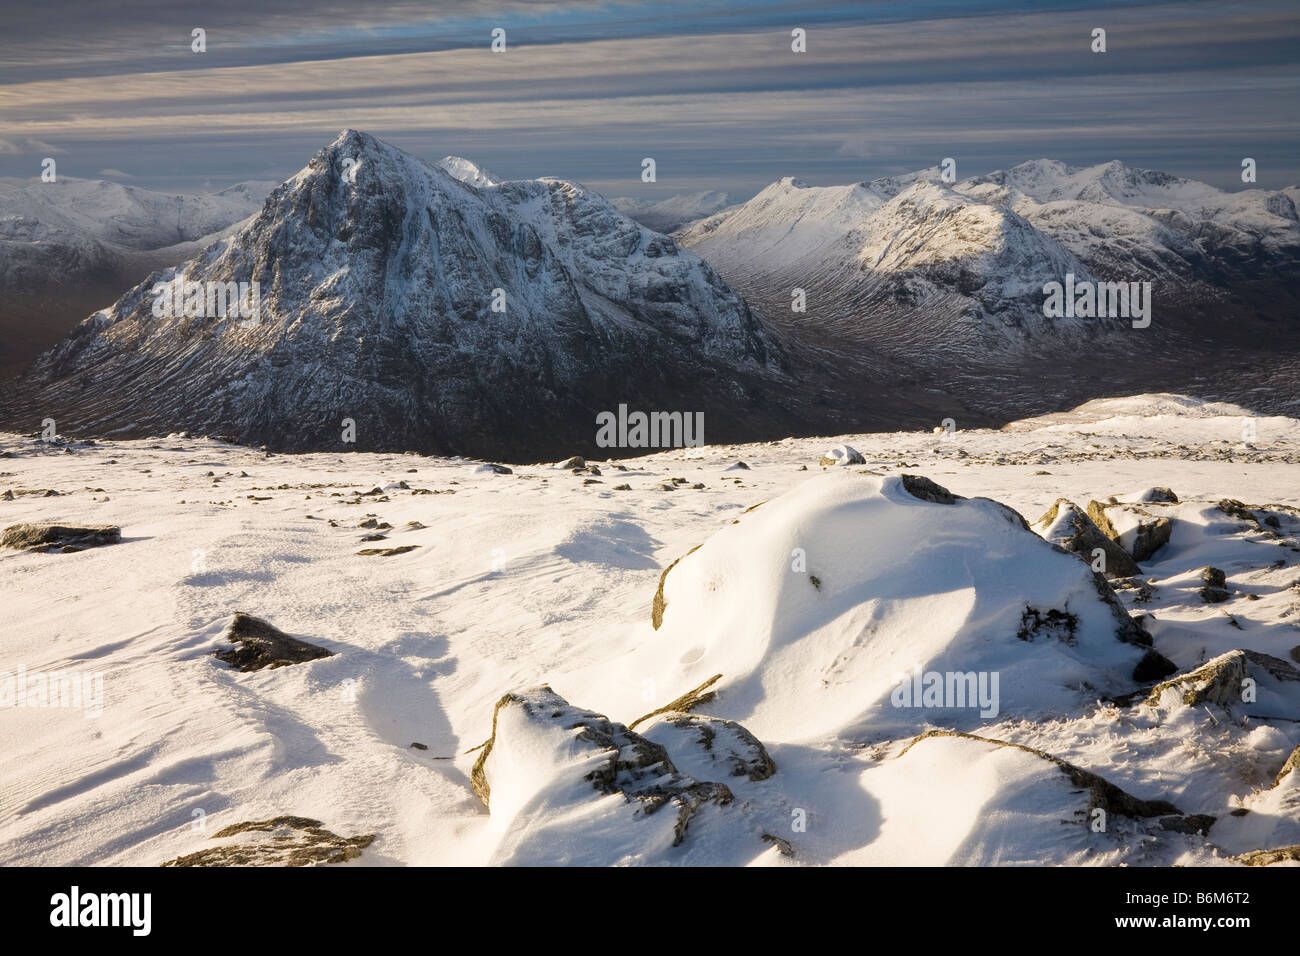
(869, 583)
(435, 314)
(800, 748)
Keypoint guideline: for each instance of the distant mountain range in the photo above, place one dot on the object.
(673, 212)
(911, 263)
(444, 309)
(73, 245)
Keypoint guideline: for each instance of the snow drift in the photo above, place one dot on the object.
(826, 611)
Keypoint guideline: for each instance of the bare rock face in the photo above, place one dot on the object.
(1067, 525)
(59, 538)
(260, 645)
(293, 841)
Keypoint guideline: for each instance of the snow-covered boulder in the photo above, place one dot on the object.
(566, 786)
(1067, 525)
(959, 800)
(711, 748)
(843, 455)
(1246, 680)
(1138, 530)
(839, 604)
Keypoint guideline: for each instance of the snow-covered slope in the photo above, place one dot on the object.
(674, 212)
(433, 312)
(75, 245)
(518, 609)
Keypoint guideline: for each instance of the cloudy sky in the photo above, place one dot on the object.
(710, 88)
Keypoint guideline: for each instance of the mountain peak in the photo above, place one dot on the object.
(468, 172)
(427, 310)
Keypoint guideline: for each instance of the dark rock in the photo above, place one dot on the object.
(1215, 590)
(1153, 666)
(59, 538)
(1195, 823)
(263, 645)
(1159, 494)
(921, 487)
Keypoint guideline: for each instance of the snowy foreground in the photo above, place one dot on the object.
(531, 608)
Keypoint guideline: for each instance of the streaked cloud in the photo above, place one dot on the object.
(1190, 88)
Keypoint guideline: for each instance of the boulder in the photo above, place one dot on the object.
(294, 841)
(59, 538)
(710, 747)
(1137, 530)
(549, 764)
(842, 455)
(261, 644)
(1068, 526)
(1215, 589)
(858, 576)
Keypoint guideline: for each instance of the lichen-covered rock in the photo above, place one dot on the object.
(294, 841)
(260, 644)
(59, 538)
(1218, 681)
(1284, 854)
(1223, 681)
(711, 747)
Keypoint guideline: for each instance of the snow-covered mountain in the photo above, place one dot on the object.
(72, 245)
(911, 262)
(435, 306)
(674, 212)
